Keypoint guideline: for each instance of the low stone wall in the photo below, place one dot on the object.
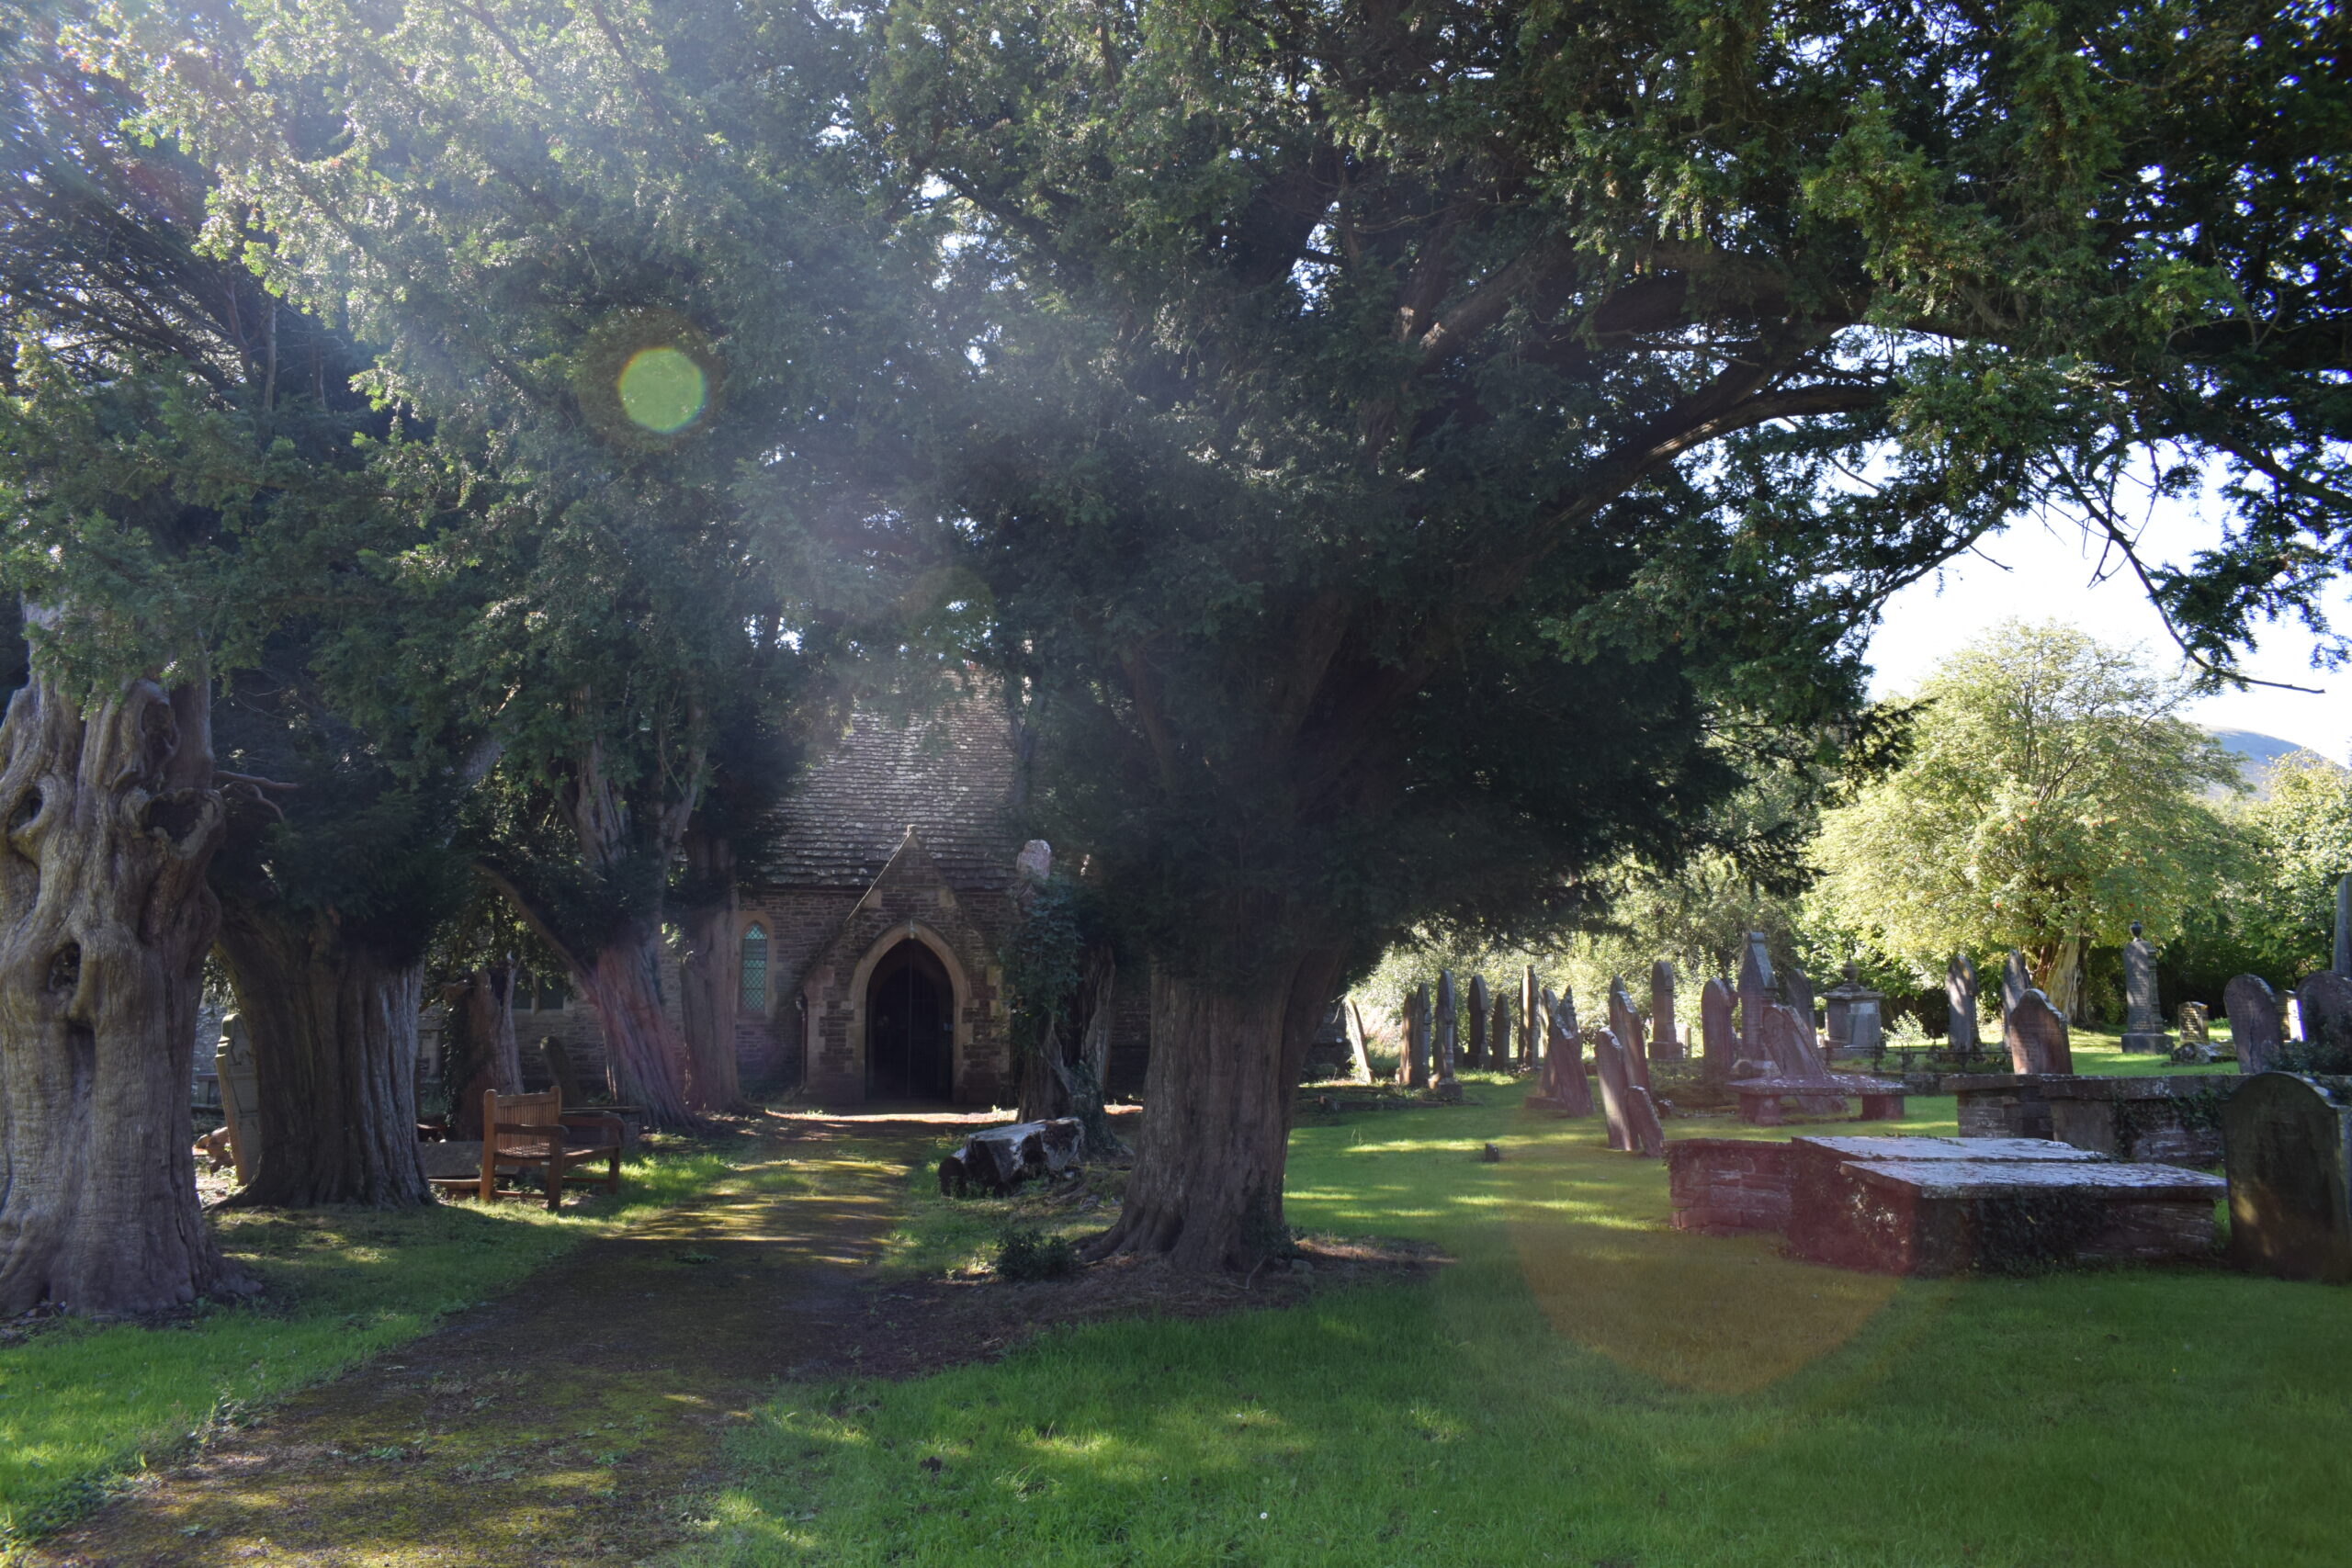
(1728, 1186)
(2166, 1120)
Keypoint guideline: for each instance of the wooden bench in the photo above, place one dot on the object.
(1760, 1099)
(527, 1131)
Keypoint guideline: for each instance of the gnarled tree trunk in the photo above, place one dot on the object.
(646, 1051)
(1207, 1189)
(479, 1040)
(111, 818)
(333, 1028)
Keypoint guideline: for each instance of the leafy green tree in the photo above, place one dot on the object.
(1393, 436)
(180, 450)
(2054, 797)
(2300, 847)
(641, 283)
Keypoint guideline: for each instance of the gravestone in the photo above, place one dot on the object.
(1498, 1036)
(2289, 1162)
(1473, 1037)
(1717, 1045)
(2195, 1023)
(2293, 1008)
(2325, 1001)
(1627, 1025)
(1755, 994)
(1665, 1038)
(1417, 1040)
(2015, 981)
(2143, 1028)
(1959, 990)
(1789, 1045)
(240, 1096)
(1448, 1038)
(1564, 1088)
(1531, 1027)
(2036, 1034)
(1634, 1124)
(1854, 1026)
(1796, 991)
(2252, 1008)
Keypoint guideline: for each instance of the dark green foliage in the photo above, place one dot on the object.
(1408, 451)
(1026, 1253)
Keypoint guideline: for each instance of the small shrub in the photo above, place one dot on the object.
(1027, 1252)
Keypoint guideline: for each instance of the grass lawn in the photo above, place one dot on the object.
(81, 1401)
(1586, 1385)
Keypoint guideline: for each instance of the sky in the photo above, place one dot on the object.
(2046, 572)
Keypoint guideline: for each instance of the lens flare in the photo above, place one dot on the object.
(663, 389)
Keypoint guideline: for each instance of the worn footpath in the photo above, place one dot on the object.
(576, 1419)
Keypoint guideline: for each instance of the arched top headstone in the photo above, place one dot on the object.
(2036, 1034)
(2016, 979)
(2325, 1001)
(2257, 1027)
(1959, 993)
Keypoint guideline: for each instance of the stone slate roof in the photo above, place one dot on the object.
(947, 776)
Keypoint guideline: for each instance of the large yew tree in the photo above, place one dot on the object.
(623, 258)
(1419, 452)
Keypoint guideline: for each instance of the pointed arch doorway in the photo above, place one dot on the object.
(911, 1026)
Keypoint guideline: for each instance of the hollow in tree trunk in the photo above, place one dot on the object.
(646, 1051)
(1207, 1187)
(111, 818)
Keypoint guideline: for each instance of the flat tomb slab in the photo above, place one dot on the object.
(1976, 1150)
(1958, 1209)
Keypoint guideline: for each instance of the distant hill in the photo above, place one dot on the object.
(2256, 752)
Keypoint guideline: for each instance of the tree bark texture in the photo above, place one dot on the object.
(1207, 1189)
(708, 994)
(479, 1035)
(111, 818)
(333, 1028)
(646, 1051)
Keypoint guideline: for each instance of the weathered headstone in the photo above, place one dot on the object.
(1755, 993)
(2195, 1023)
(2325, 1001)
(2254, 1026)
(1960, 991)
(1415, 1065)
(1666, 1037)
(1473, 1037)
(1448, 1039)
(1789, 1045)
(1627, 1025)
(1633, 1117)
(2288, 1145)
(1796, 992)
(1719, 1047)
(2036, 1034)
(1531, 1026)
(1564, 1088)
(2015, 981)
(1853, 1024)
(240, 1096)
(2144, 1026)
(1498, 1036)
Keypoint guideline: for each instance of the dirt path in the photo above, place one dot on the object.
(571, 1421)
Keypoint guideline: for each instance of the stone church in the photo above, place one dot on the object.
(866, 957)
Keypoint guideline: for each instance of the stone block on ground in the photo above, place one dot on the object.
(1728, 1186)
(1943, 1206)
(998, 1159)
